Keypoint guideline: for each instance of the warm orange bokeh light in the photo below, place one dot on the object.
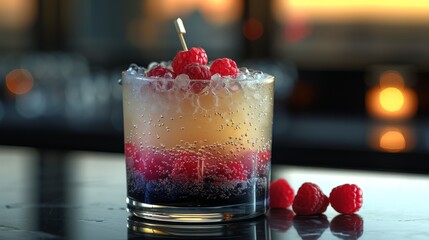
(210, 9)
(391, 103)
(297, 30)
(373, 11)
(391, 99)
(19, 81)
(253, 29)
(147, 30)
(17, 14)
(229, 10)
(400, 138)
(393, 141)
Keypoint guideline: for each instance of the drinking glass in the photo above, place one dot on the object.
(197, 150)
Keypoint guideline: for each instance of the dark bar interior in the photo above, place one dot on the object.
(60, 63)
(351, 90)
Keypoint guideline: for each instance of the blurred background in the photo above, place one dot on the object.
(352, 77)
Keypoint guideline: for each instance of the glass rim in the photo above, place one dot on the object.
(142, 77)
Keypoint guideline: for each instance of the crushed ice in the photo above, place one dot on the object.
(182, 81)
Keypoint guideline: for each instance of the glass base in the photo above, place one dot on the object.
(252, 229)
(195, 214)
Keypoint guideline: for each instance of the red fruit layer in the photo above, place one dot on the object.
(152, 164)
(189, 166)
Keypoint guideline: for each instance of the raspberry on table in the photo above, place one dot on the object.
(310, 200)
(197, 71)
(224, 66)
(281, 194)
(346, 198)
(183, 58)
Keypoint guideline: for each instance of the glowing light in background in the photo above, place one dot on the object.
(400, 138)
(393, 141)
(229, 11)
(17, 14)
(297, 30)
(373, 11)
(391, 99)
(155, 14)
(19, 81)
(253, 29)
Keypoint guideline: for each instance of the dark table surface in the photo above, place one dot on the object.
(81, 195)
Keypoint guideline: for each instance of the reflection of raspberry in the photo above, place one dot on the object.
(183, 58)
(197, 71)
(160, 71)
(347, 226)
(224, 66)
(310, 200)
(346, 198)
(310, 227)
(280, 219)
(281, 194)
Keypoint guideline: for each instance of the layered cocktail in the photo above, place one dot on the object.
(197, 139)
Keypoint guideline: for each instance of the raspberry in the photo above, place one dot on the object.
(346, 198)
(160, 71)
(281, 194)
(197, 71)
(224, 66)
(310, 200)
(183, 58)
(280, 219)
(347, 226)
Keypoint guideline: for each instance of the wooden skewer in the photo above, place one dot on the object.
(180, 28)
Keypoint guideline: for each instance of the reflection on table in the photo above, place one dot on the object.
(81, 195)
